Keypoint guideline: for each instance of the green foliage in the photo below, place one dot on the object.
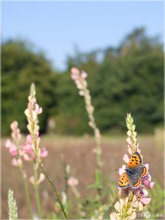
(71, 117)
(100, 200)
(12, 206)
(20, 67)
(156, 207)
(127, 78)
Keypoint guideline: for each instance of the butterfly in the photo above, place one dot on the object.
(135, 171)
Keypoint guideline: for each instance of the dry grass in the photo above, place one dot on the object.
(78, 153)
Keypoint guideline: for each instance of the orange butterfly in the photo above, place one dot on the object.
(135, 171)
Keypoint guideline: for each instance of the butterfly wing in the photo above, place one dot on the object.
(135, 160)
(135, 182)
(134, 178)
(134, 172)
(124, 181)
(144, 172)
(141, 170)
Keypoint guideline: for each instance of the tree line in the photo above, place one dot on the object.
(122, 79)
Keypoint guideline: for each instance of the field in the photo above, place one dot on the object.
(78, 153)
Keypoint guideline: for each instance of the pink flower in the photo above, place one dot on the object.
(16, 135)
(29, 139)
(148, 184)
(139, 196)
(145, 193)
(44, 152)
(31, 179)
(130, 151)
(28, 149)
(8, 144)
(147, 166)
(75, 73)
(32, 111)
(16, 162)
(72, 181)
(122, 170)
(140, 192)
(84, 75)
(145, 201)
(75, 70)
(38, 109)
(126, 158)
(41, 179)
(13, 151)
(12, 148)
(14, 125)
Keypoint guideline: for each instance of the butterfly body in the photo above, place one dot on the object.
(134, 172)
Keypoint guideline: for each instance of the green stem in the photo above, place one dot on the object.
(26, 192)
(65, 179)
(55, 192)
(24, 178)
(36, 186)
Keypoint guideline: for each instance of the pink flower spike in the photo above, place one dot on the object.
(145, 201)
(126, 158)
(44, 152)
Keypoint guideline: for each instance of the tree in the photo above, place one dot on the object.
(128, 79)
(21, 66)
(131, 80)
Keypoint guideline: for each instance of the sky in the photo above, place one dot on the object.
(58, 27)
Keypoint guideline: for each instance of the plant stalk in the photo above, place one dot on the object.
(55, 191)
(36, 186)
(27, 195)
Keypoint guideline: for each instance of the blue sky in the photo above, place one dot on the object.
(57, 27)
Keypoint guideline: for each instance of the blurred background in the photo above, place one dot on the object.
(120, 46)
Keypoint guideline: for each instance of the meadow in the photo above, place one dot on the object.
(86, 174)
(73, 172)
(78, 153)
